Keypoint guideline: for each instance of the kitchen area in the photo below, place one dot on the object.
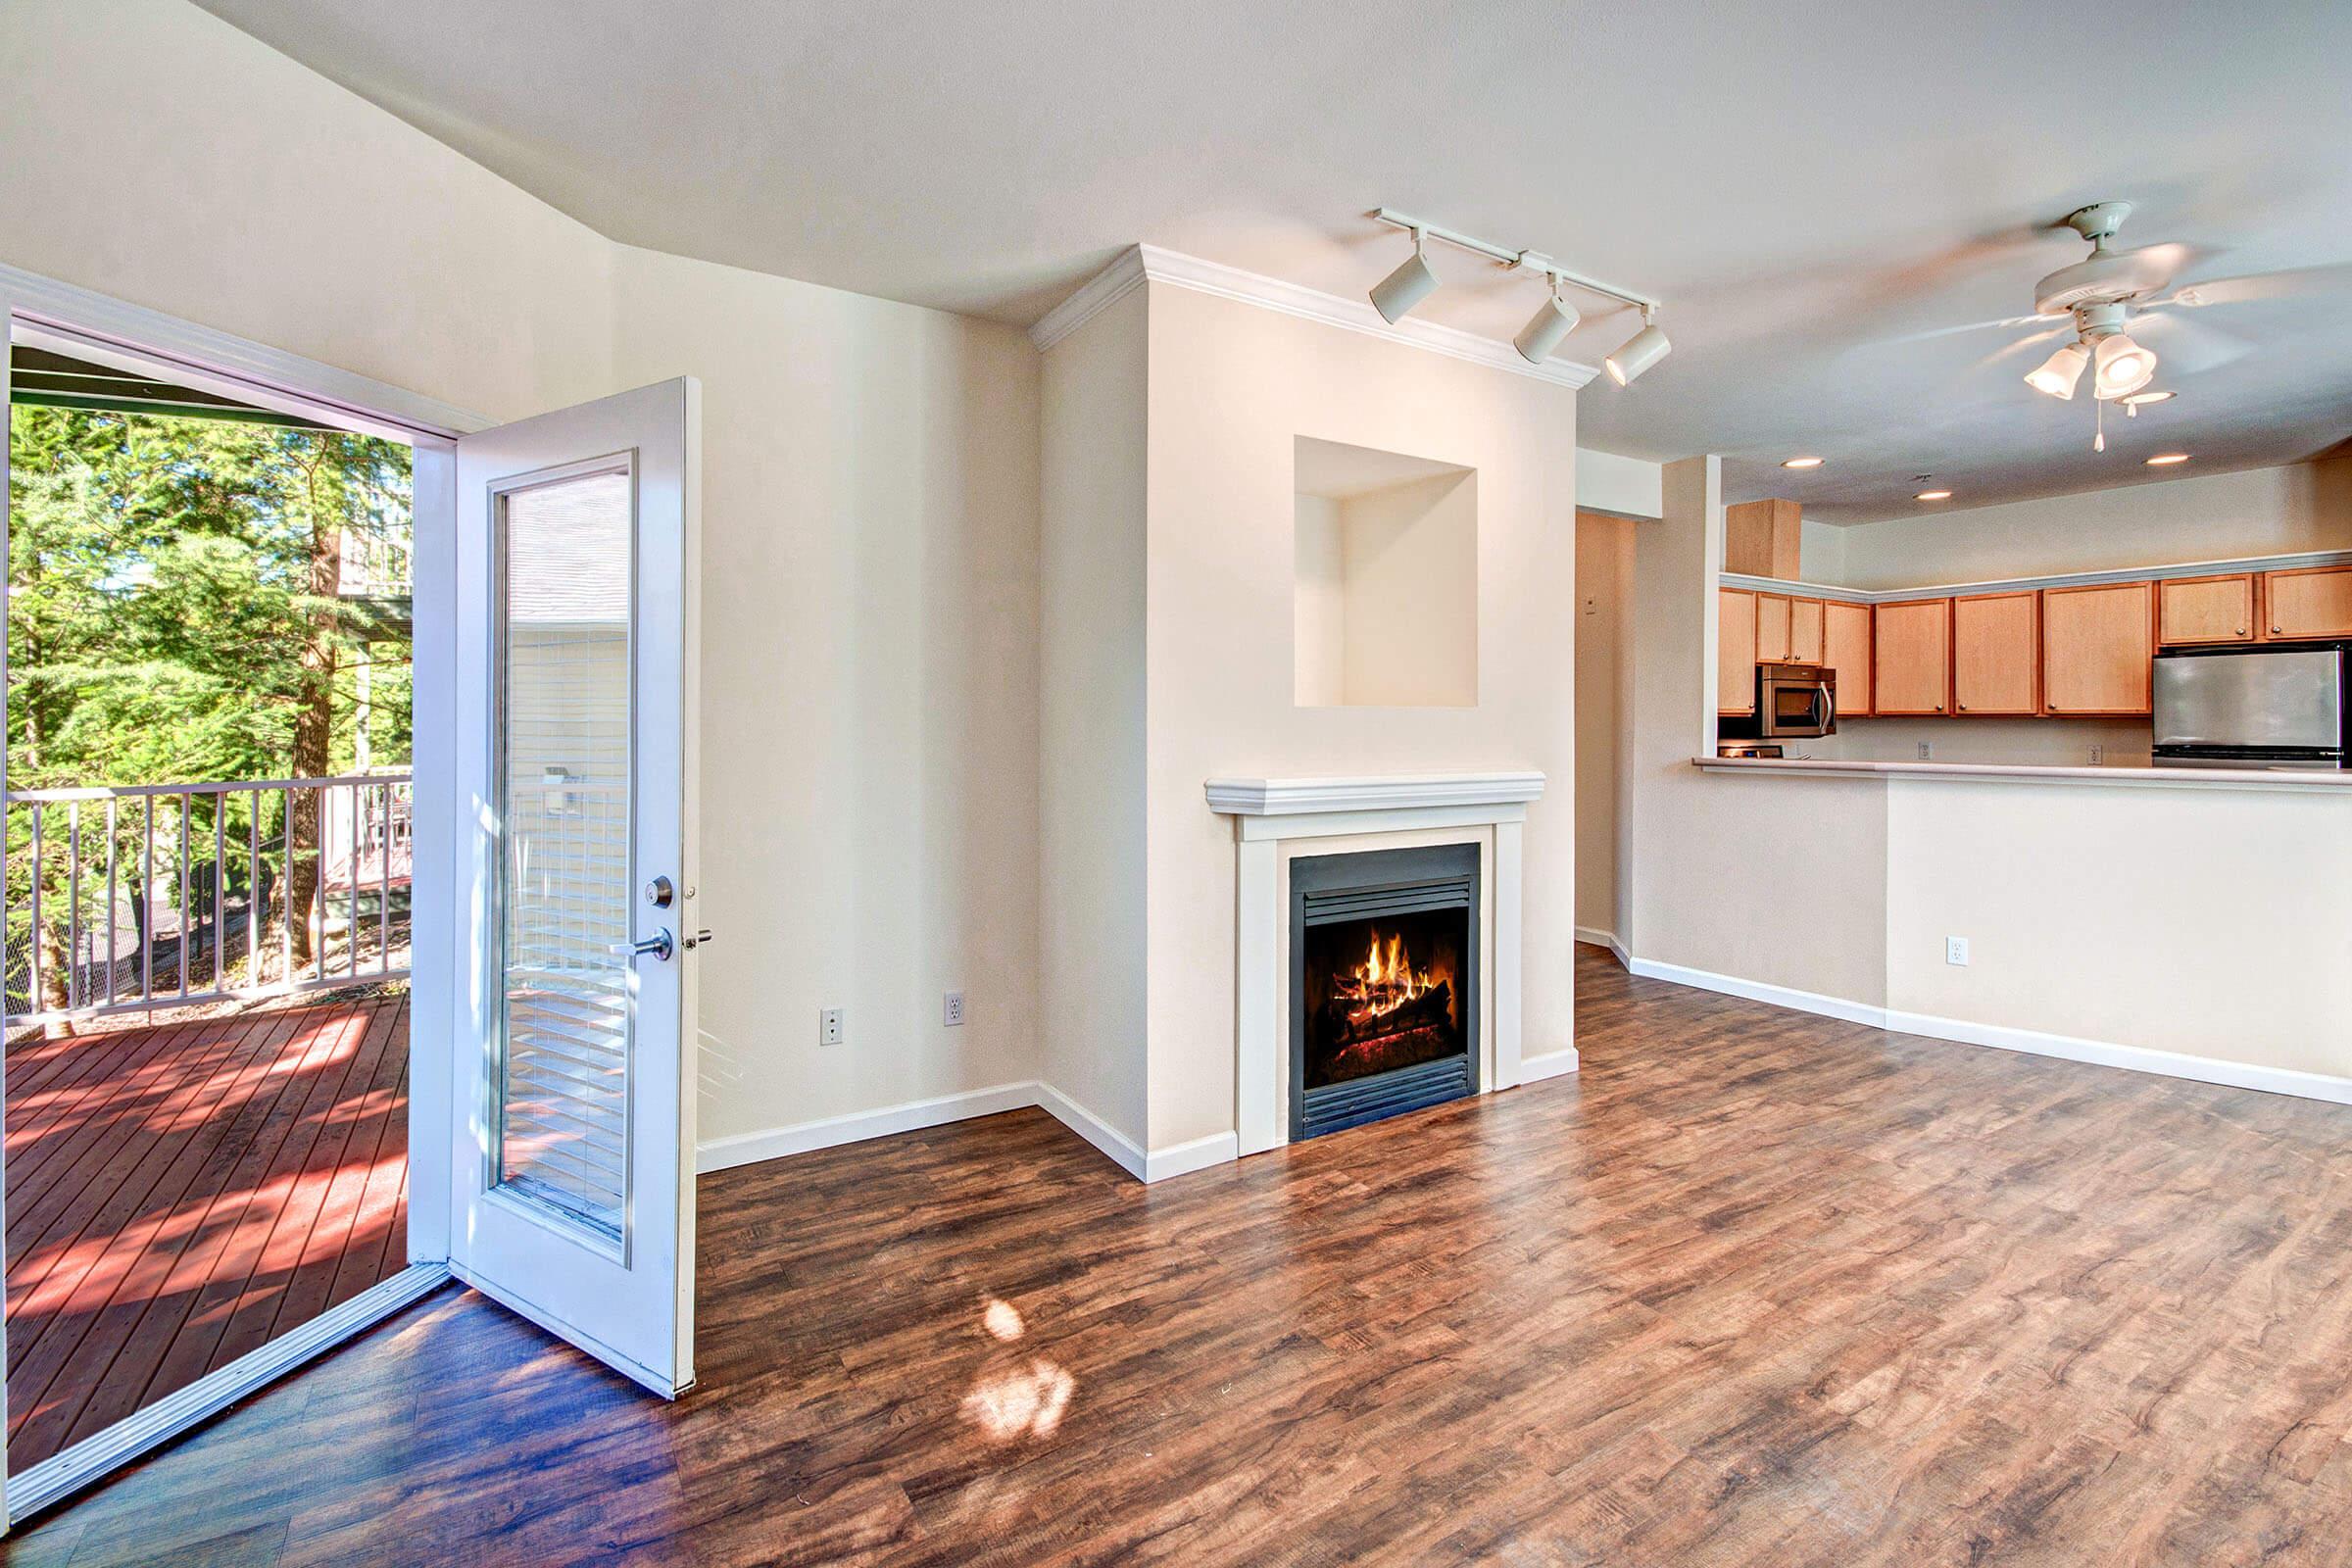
(2237, 664)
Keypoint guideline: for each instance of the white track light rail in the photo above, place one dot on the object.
(1530, 261)
(1414, 282)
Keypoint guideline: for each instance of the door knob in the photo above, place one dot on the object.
(659, 945)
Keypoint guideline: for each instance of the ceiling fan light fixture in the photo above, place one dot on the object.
(2057, 375)
(2120, 367)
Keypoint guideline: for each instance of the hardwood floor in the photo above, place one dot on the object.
(1756, 1288)
(180, 1194)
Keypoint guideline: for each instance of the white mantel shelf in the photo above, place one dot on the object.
(1388, 792)
(2169, 778)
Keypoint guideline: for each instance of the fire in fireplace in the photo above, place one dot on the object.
(1384, 1007)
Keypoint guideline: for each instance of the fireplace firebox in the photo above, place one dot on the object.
(1384, 984)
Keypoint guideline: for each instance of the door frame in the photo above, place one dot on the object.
(48, 314)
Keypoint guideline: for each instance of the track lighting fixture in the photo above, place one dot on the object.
(1642, 350)
(1414, 282)
(1552, 322)
(2059, 372)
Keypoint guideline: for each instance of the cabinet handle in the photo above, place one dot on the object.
(2273, 631)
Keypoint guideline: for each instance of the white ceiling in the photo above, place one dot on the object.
(1804, 184)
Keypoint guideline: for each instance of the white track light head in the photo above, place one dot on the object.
(1542, 335)
(1642, 350)
(2058, 373)
(1412, 282)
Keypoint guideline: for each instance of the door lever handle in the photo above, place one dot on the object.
(659, 945)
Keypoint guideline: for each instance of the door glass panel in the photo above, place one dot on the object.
(562, 767)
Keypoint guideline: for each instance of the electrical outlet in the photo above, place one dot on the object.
(952, 1011)
(1955, 950)
(830, 1027)
(2095, 753)
(1924, 748)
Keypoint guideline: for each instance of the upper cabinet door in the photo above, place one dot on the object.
(1912, 669)
(2097, 649)
(1735, 651)
(2314, 603)
(1845, 649)
(1995, 654)
(1805, 630)
(2205, 610)
(1772, 628)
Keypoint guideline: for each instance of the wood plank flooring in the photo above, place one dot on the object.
(1756, 1288)
(180, 1194)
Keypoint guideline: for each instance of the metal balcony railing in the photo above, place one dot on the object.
(133, 897)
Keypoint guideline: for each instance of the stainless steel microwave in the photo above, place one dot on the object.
(1793, 702)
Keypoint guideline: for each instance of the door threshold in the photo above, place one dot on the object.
(95, 1458)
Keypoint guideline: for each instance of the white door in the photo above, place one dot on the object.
(573, 1183)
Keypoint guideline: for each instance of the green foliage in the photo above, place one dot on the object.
(166, 577)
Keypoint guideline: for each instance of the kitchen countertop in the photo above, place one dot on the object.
(2194, 778)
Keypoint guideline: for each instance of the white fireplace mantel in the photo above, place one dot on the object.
(1266, 811)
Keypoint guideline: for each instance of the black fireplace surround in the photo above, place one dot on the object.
(1384, 984)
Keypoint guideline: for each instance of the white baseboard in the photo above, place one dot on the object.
(1604, 939)
(1092, 1128)
(1551, 1065)
(774, 1143)
(1759, 991)
(2031, 1042)
(2136, 1059)
(1179, 1159)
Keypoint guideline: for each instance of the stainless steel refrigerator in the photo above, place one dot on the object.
(2263, 705)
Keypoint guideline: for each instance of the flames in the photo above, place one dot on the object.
(1383, 982)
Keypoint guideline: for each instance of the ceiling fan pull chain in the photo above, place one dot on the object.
(2099, 442)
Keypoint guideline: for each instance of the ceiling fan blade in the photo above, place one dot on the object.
(2187, 346)
(2255, 287)
(2021, 345)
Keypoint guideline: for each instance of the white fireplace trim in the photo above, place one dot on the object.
(1489, 809)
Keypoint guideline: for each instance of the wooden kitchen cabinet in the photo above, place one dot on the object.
(1772, 628)
(2315, 602)
(1845, 649)
(1911, 658)
(2205, 610)
(2098, 645)
(1996, 655)
(1735, 651)
(1805, 630)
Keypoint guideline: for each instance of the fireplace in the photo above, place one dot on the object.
(1384, 984)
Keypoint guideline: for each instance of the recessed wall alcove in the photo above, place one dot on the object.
(1386, 580)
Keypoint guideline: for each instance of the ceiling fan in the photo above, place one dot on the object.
(2100, 294)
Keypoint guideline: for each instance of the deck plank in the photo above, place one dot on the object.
(160, 1161)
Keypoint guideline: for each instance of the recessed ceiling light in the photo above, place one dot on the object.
(2164, 459)
(1800, 463)
(2140, 400)
(1932, 495)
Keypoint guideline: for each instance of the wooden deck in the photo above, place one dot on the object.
(180, 1194)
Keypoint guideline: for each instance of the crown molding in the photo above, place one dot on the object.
(2244, 564)
(1149, 263)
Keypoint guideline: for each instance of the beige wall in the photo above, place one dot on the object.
(869, 547)
(2220, 516)
(2213, 924)
(1604, 582)
(1092, 679)
(1230, 387)
(1734, 876)
(869, 717)
(154, 152)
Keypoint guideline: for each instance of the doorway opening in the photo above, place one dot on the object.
(209, 856)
